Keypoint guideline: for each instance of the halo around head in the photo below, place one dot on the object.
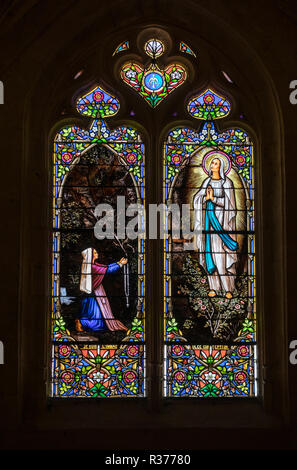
(216, 154)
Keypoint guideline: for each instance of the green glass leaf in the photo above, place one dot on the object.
(98, 359)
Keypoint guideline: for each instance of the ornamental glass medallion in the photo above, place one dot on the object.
(154, 48)
(153, 82)
(98, 308)
(209, 278)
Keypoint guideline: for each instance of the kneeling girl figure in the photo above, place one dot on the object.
(95, 312)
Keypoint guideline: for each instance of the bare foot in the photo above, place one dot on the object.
(78, 326)
(212, 293)
(228, 295)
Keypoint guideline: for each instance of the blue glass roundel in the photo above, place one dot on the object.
(153, 81)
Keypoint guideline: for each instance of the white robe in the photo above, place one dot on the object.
(225, 210)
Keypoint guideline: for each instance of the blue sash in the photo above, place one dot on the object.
(211, 220)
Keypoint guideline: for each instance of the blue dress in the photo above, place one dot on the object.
(91, 316)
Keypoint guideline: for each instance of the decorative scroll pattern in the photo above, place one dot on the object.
(98, 371)
(211, 371)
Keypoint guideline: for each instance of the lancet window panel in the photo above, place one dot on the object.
(98, 283)
(209, 269)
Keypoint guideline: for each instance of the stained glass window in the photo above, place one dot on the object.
(209, 278)
(208, 106)
(98, 307)
(183, 47)
(124, 46)
(227, 77)
(153, 82)
(154, 48)
(98, 282)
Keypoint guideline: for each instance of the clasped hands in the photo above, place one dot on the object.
(209, 193)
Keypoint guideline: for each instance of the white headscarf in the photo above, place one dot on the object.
(86, 271)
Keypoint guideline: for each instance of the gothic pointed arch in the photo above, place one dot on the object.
(46, 98)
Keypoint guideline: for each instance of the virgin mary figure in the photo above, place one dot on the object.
(95, 312)
(215, 216)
